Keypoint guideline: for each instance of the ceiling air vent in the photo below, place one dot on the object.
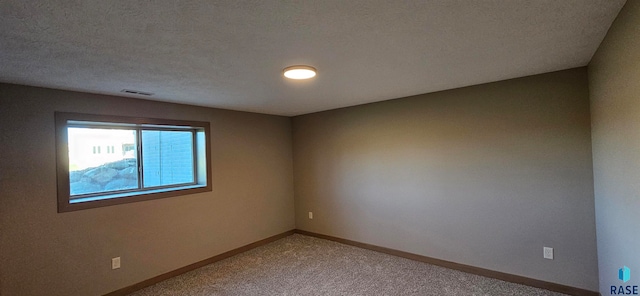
(136, 92)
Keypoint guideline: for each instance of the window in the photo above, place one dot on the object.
(144, 159)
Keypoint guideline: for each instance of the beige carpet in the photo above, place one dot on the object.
(303, 265)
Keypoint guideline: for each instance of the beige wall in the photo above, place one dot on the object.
(485, 175)
(614, 82)
(47, 253)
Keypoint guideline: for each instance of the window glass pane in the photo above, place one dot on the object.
(167, 157)
(96, 170)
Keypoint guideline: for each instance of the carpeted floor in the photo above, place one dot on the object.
(303, 265)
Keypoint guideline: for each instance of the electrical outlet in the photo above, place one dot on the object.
(311, 215)
(547, 253)
(115, 263)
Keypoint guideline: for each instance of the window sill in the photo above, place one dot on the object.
(129, 197)
(129, 194)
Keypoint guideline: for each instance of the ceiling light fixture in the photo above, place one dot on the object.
(299, 72)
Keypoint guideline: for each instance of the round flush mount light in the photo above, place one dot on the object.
(299, 72)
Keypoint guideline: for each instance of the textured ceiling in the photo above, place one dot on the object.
(230, 54)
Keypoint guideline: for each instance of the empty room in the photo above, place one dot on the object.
(487, 147)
